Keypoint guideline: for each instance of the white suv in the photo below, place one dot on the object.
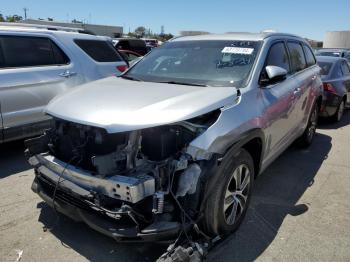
(37, 64)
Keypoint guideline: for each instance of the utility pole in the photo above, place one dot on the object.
(25, 9)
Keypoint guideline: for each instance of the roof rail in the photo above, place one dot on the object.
(47, 27)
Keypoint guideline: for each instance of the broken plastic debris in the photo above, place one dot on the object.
(19, 254)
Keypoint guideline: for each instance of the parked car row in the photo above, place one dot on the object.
(335, 52)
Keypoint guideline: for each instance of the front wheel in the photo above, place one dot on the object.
(307, 137)
(229, 198)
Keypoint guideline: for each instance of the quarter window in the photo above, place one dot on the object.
(296, 56)
(310, 58)
(23, 51)
(100, 51)
(278, 56)
(345, 69)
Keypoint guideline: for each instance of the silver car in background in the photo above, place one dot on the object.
(335, 74)
(37, 64)
(175, 143)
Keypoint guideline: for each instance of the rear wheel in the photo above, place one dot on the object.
(306, 139)
(340, 112)
(230, 195)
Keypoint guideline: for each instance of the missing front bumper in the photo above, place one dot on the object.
(131, 188)
(123, 229)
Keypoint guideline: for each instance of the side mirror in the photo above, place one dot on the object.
(273, 74)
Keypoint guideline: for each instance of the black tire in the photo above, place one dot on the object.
(215, 219)
(339, 113)
(307, 137)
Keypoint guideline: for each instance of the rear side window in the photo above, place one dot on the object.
(100, 51)
(309, 55)
(296, 56)
(345, 68)
(278, 56)
(24, 51)
(325, 67)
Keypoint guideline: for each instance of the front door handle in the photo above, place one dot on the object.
(67, 74)
(313, 78)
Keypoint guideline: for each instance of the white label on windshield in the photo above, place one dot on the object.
(237, 50)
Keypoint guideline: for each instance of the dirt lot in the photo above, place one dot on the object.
(300, 211)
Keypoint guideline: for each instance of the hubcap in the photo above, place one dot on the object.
(340, 111)
(236, 194)
(313, 124)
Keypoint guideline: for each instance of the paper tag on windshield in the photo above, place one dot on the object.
(237, 50)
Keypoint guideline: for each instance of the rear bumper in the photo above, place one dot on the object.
(330, 105)
(72, 200)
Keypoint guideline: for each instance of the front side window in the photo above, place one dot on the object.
(310, 58)
(296, 56)
(325, 67)
(99, 50)
(278, 56)
(205, 62)
(23, 51)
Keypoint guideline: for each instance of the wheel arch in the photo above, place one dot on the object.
(253, 142)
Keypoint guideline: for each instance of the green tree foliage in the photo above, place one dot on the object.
(13, 18)
(140, 31)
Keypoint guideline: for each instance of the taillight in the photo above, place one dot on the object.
(329, 88)
(122, 68)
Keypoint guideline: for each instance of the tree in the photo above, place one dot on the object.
(140, 31)
(14, 18)
(75, 21)
(2, 18)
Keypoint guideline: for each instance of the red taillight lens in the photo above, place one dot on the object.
(122, 68)
(328, 88)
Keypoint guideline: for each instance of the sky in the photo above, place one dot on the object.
(307, 18)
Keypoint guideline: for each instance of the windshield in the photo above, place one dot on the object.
(335, 54)
(213, 63)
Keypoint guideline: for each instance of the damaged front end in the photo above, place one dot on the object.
(137, 185)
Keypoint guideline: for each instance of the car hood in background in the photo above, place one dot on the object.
(118, 105)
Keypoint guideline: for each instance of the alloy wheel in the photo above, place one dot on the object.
(236, 194)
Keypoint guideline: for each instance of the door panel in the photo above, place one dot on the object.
(280, 113)
(33, 71)
(25, 92)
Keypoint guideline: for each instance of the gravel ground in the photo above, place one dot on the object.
(300, 211)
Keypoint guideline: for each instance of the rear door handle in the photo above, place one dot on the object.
(314, 77)
(67, 74)
(296, 91)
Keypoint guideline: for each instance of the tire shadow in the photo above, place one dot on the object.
(93, 245)
(326, 123)
(12, 160)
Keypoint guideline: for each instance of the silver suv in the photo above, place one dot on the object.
(36, 64)
(176, 142)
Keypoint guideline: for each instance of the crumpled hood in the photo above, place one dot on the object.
(118, 105)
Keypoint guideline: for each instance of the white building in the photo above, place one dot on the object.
(337, 39)
(106, 30)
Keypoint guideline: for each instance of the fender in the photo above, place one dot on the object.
(243, 140)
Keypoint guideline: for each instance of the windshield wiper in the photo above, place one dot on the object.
(182, 83)
(130, 78)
